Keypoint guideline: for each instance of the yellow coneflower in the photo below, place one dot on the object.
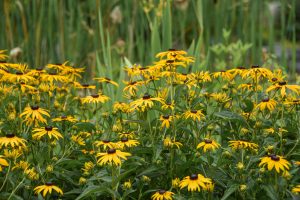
(62, 118)
(121, 107)
(87, 168)
(3, 162)
(195, 182)
(127, 185)
(168, 105)
(78, 140)
(198, 77)
(196, 115)
(145, 102)
(83, 85)
(175, 182)
(34, 113)
(256, 72)
(51, 77)
(17, 77)
(224, 75)
(24, 87)
(112, 157)
(13, 141)
(162, 195)
(3, 56)
(296, 189)
(129, 135)
(46, 131)
(125, 142)
(239, 144)
(105, 144)
(13, 153)
(47, 188)
(170, 143)
(106, 80)
(282, 86)
(208, 144)
(267, 103)
(220, 97)
(95, 98)
(173, 54)
(23, 165)
(166, 120)
(275, 161)
(131, 87)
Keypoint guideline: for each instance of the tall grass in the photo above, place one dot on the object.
(83, 31)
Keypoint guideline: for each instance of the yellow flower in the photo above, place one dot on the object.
(95, 98)
(256, 72)
(275, 161)
(162, 195)
(12, 140)
(169, 143)
(282, 86)
(127, 185)
(46, 131)
(129, 135)
(220, 97)
(208, 144)
(47, 188)
(195, 182)
(296, 189)
(125, 142)
(88, 166)
(196, 115)
(83, 86)
(168, 105)
(3, 56)
(34, 114)
(13, 153)
(51, 77)
(17, 77)
(82, 181)
(243, 187)
(77, 139)
(166, 120)
(224, 74)
(24, 165)
(267, 103)
(64, 118)
(112, 157)
(175, 183)
(106, 144)
(131, 87)
(106, 80)
(239, 144)
(3, 162)
(240, 166)
(145, 102)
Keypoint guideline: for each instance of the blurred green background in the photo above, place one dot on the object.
(105, 35)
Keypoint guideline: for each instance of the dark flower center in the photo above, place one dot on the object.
(266, 99)
(146, 96)
(34, 107)
(132, 83)
(39, 69)
(282, 83)
(111, 151)
(10, 135)
(95, 95)
(49, 184)
(194, 176)
(274, 157)
(194, 111)
(222, 71)
(255, 66)
(63, 117)
(124, 139)
(170, 61)
(19, 73)
(106, 141)
(22, 83)
(161, 191)
(52, 73)
(48, 128)
(166, 116)
(85, 85)
(142, 68)
(296, 100)
(274, 79)
(207, 141)
(172, 50)
(241, 67)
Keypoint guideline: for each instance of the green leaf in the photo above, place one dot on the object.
(229, 191)
(270, 192)
(92, 190)
(229, 115)
(85, 126)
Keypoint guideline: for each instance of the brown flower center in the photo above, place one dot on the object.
(124, 139)
(166, 116)
(19, 73)
(266, 99)
(161, 192)
(255, 66)
(296, 100)
(63, 117)
(95, 95)
(39, 69)
(170, 61)
(194, 111)
(207, 141)
(10, 135)
(274, 79)
(85, 85)
(34, 107)
(111, 151)
(132, 83)
(48, 128)
(146, 96)
(172, 50)
(49, 184)
(274, 157)
(106, 141)
(194, 176)
(241, 67)
(52, 73)
(282, 83)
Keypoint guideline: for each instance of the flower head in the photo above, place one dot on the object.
(12, 140)
(34, 114)
(47, 188)
(162, 195)
(112, 157)
(208, 144)
(46, 131)
(275, 161)
(195, 182)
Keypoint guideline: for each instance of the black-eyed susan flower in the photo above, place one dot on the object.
(106, 80)
(87, 168)
(47, 188)
(239, 144)
(168, 105)
(296, 189)
(125, 142)
(84, 85)
(127, 134)
(121, 107)
(162, 195)
(127, 185)
(51, 77)
(282, 87)
(112, 157)
(3, 55)
(11, 140)
(175, 182)
(267, 103)
(62, 118)
(34, 114)
(274, 161)
(145, 102)
(132, 87)
(166, 120)
(51, 132)
(256, 72)
(224, 75)
(105, 144)
(3, 162)
(208, 144)
(195, 182)
(95, 98)
(78, 140)
(171, 143)
(13, 153)
(196, 115)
